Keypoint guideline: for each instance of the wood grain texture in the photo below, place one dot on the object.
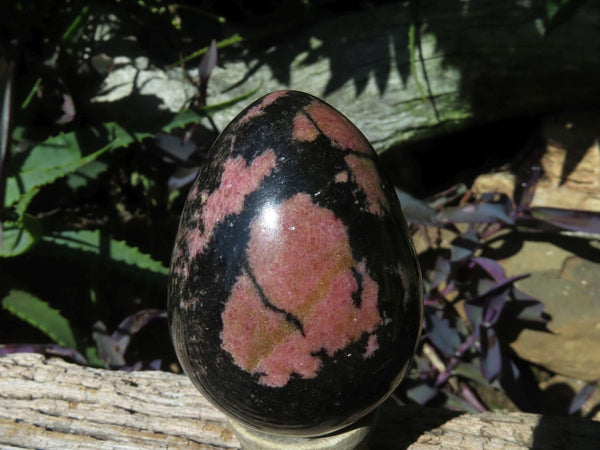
(49, 403)
(472, 62)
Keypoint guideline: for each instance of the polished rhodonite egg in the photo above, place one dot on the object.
(295, 296)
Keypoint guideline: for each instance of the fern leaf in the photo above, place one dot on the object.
(93, 244)
(39, 314)
(60, 155)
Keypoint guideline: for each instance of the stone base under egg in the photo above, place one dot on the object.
(353, 437)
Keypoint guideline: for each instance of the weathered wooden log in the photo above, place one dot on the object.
(470, 62)
(49, 403)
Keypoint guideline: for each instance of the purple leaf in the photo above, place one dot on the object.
(474, 313)
(458, 403)
(472, 399)
(421, 393)
(527, 179)
(174, 148)
(155, 364)
(132, 324)
(442, 335)
(442, 271)
(416, 211)
(575, 220)
(447, 196)
(494, 289)
(68, 108)
(493, 307)
(182, 177)
(471, 370)
(463, 247)
(45, 349)
(108, 347)
(491, 357)
(494, 269)
(527, 308)
(485, 212)
(207, 64)
(582, 396)
(518, 382)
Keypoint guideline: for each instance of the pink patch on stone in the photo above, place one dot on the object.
(372, 347)
(366, 176)
(304, 130)
(337, 128)
(292, 355)
(237, 181)
(305, 249)
(301, 258)
(245, 319)
(258, 110)
(341, 177)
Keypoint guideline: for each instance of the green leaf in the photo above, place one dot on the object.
(18, 237)
(92, 245)
(32, 92)
(187, 116)
(77, 27)
(39, 314)
(559, 12)
(90, 171)
(234, 39)
(60, 155)
(91, 354)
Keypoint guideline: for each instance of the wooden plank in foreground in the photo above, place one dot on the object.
(49, 403)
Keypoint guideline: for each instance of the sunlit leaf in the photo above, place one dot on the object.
(582, 397)
(60, 155)
(484, 212)
(416, 211)
(20, 236)
(527, 308)
(584, 221)
(91, 245)
(39, 314)
(190, 116)
(492, 267)
(83, 175)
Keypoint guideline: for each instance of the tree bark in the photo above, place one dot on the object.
(49, 403)
(469, 62)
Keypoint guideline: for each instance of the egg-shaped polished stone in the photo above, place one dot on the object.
(295, 295)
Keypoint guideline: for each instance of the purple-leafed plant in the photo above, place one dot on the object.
(110, 347)
(472, 308)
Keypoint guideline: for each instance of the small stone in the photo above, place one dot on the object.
(569, 288)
